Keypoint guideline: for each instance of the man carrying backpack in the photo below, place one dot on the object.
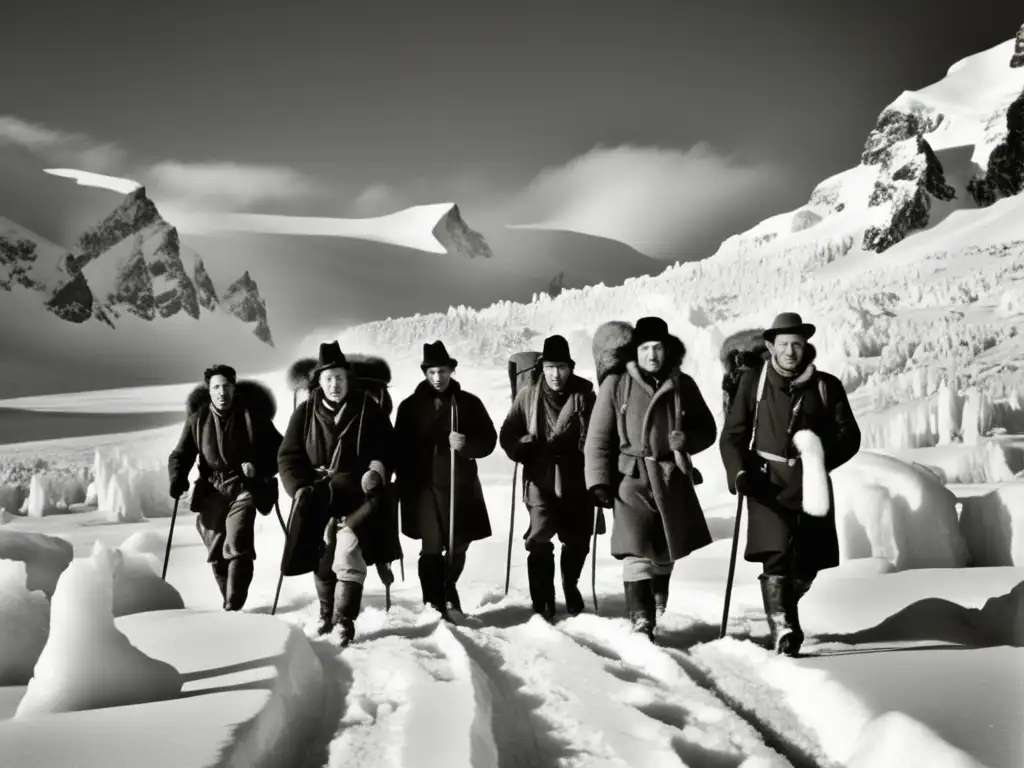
(544, 431)
(789, 425)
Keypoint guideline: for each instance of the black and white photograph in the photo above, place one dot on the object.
(512, 384)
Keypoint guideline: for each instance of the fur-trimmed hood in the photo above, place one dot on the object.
(613, 348)
(252, 395)
(366, 368)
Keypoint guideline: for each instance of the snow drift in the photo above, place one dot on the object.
(24, 624)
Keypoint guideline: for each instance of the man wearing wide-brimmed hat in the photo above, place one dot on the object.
(789, 425)
(649, 419)
(545, 432)
(437, 418)
(335, 460)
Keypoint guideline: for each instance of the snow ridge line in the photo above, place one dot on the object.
(783, 734)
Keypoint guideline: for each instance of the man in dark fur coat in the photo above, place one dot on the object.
(229, 428)
(544, 431)
(788, 427)
(649, 418)
(437, 417)
(335, 461)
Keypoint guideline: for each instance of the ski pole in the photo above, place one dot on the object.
(511, 526)
(732, 565)
(280, 579)
(280, 518)
(170, 535)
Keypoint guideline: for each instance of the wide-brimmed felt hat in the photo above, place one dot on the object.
(788, 322)
(556, 350)
(436, 356)
(330, 356)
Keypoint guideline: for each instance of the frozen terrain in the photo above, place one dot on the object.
(914, 643)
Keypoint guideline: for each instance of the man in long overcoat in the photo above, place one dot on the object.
(648, 421)
(544, 431)
(335, 461)
(437, 418)
(229, 428)
(789, 425)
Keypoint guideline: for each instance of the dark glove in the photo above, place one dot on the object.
(676, 440)
(753, 484)
(373, 479)
(178, 487)
(603, 496)
(386, 576)
(526, 450)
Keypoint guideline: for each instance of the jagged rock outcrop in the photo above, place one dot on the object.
(896, 125)
(804, 219)
(135, 213)
(458, 238)
(242, 299)
(910, 177)
(556, 285)
(1004, 176)
(73, 301)
(1017, 60)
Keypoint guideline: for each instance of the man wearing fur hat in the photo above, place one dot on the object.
(229, 427)
(335, 460)
(436, 418)
(788, 427)
(649, 419)
(544, 431)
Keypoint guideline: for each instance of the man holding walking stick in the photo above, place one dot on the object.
(789, 425)
(440, 431)
(545, 432)
(229, 428)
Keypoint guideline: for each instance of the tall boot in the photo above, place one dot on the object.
(540, 569)
(325, 595)
(640, 606)
(452, 574)
(571, 563)
(239, 578)
(432, 582)
(220, 574)
(348, 596)
(779, 595)
(660, 585)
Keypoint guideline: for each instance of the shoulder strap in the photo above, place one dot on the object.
(757, 402)
(248, 427)
(823, 391)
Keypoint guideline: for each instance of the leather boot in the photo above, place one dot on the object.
(779, 595)
(432, 582)
(220, 574)
(640, 606)
(540, 569)
(348, 596)
(458, 563)
(571, 564)
(239, 578)
(660, 586)
(325, 594)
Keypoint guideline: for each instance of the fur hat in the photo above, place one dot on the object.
(650, 329)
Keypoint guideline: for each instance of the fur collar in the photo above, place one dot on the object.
(252, 395)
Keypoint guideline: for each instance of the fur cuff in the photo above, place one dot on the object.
(815, 479)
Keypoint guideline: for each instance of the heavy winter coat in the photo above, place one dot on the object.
(553, 479)
(628, 438)
(245, 434)
(422, 425)
(775, 524)
(343, 445)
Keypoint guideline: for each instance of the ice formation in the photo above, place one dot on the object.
(24, 624)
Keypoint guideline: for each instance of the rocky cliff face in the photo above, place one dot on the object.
(1017, 60)
(1004, 176)
(457, 237)
(132, 262)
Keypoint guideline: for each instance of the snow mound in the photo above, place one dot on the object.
(993, 526)
(87, 662)
(894, 740)
(50, 492)
(887, 508)
(138, 587)
(45, 557)
(254, 696)
(24, 624)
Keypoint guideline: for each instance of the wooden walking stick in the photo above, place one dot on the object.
(170, 535)
(593, 560)
(732, 565)
(511, 527)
